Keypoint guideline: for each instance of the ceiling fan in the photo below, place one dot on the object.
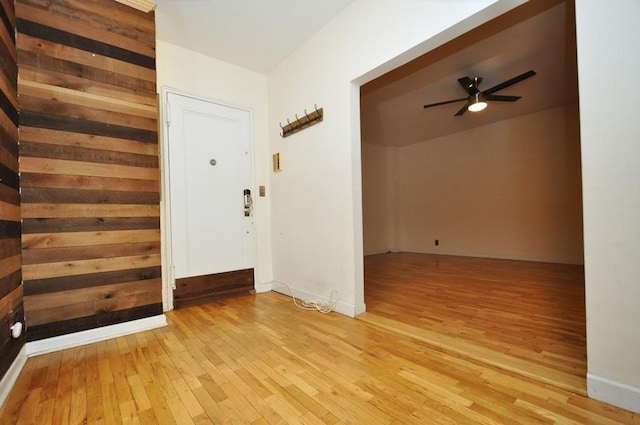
(477, 100)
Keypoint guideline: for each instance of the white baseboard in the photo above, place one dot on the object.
(90, 336)
(377, 252)
(612, 392)
(262, 287)
(10, 378)
(340, 307)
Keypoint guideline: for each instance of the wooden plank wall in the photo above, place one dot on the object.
(11, 295)
(89, 165)
(199, 290)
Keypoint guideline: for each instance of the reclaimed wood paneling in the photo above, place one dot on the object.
(199, 290)
(89, 166)
(11, 292)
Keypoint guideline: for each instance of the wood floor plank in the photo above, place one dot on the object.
(260, 360)
(110, 405)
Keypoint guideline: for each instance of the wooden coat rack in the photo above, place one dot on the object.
(300, 124)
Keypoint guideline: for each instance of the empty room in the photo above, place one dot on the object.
(473, 220)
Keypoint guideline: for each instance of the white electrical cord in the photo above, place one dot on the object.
(321, 306)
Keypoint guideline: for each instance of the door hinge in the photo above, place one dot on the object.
(168, 108)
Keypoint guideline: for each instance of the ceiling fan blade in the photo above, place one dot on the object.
(462, 110)
(445, 102)
(470, 85)
(510, 82)
(499, 98)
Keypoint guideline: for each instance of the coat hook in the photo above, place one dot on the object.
(300, 123)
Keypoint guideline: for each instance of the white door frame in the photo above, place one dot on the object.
(168, 275)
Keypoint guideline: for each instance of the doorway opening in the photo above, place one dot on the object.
(488, 201)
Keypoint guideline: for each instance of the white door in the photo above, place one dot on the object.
(209, 171)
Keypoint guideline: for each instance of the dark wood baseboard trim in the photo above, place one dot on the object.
(200, 290)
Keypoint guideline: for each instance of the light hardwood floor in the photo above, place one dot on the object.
(259, 359)
(526, 317)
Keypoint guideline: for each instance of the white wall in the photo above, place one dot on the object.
(378, 198)
(316, 204)
(510, 189)
(193, 73)
(608, 63)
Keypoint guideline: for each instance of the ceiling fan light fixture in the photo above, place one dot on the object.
(478, 103)
(477, 100)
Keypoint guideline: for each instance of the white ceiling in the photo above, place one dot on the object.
(254, 34)
(539, 36)
(259, 34)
